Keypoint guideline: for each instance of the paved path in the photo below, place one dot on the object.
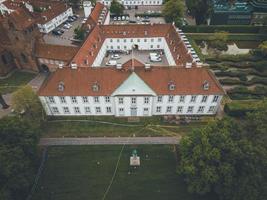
(108, 141)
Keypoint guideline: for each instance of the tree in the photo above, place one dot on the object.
(18, 157)
(263, 48)
(116, 7)
(221, 159)
(26, 102)
(79, 33)
(200, 9)
(219, 41)
(173, 11)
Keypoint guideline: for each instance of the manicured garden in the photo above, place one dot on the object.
(16, 80)
(84, 172)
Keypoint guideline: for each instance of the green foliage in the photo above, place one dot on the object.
(200, 9)
(173, 11)
(239, 108)
(116, 7)
(18, 157)
(26, 102)
(79, 33)
(222, 159)
(148, 15)
(243, 93)
(217, 28)
(219, 41)
(263, 48)
(37, 9)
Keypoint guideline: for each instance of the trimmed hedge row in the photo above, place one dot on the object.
(242, 93)
(240, 108)
(148, 15)
(228, 28)
(254, 80)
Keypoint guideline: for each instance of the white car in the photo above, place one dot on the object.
(115, 56)
(66, 26)
(111, 63)
(155, 59)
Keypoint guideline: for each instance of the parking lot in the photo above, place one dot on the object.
(142, 56)
(141, 9)
(65, 38)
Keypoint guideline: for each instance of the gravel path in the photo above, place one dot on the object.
(108, 141)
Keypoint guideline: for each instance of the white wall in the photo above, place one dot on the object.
(52, 24)
(127, 104)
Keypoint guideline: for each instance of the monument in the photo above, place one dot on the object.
(134, 159)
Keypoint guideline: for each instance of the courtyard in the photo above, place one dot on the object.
(85, 172)
(140, 55)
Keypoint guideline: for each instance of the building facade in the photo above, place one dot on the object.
(130, 3)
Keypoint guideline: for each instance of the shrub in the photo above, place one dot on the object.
(228, 28)
(240, 108)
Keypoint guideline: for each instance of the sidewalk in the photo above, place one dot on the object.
(108, 141)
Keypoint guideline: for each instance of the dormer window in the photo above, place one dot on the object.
(61, 86)
(206, 85)
(95, 87)
(171, 86)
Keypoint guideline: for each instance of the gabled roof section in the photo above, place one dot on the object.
(132, 63)
(55, 52)
(134, 85)
(21, 18)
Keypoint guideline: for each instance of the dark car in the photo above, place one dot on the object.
(70, 19)
(56, 32)
(132, 21)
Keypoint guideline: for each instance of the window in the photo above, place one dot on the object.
(158, 109)
(124, 40)
(179, 109)
(118, 40)
(170, 99)
(204, 99)
(215, 98)
(193, 98)
(146, 100)
(97, 110)
(133, 100)
(159, 99)
(182, 99)
(66, 110)
(85, 100)
(120, 100)
(55, 110)
(108, 109)
(96, 99)
(169, 109)
(121, 111)
(211, 109)
(158, 46)
(190, 109)
(159, 39)
(51, 99)
(138, 40)
(87, 109)
(62, 99)
(76, 110)
(201, 109)
(146, 111)
(145, 40)
(107, 99)
(73, 99)
(152, 39)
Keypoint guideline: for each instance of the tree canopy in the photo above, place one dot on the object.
(227, 158)
(263, 48)
(116, 8)
(219, 41)
(18, 157)
(26, 102)
(200, 9)
(173, 11)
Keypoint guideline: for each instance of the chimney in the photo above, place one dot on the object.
(188, 65)
(60, 66)
(147, 66)
(119, 66)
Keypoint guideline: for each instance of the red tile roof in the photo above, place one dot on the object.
(78, 82)
(55, 52)
(22, 18)
(101, 32)
(132, 62)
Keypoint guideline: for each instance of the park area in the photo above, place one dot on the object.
(85, 172)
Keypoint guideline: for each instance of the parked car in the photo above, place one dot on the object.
(132, 22)
(146, 20)
(115, 18)
(115, 56)
(74, 17)
(111, 63)
(66, 26)
(57, 32)
(70, 19)
(155, 59)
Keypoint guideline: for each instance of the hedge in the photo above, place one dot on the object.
(148, 15)
(241, 93)
(228, 28)
(240, 108)
(231, 36)
(254, 80)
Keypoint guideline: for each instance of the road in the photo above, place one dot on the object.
(108, 141)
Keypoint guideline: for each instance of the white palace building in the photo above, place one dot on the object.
(134, 88)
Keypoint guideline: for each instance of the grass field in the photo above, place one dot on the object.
(85, 129)
(17, 79)
(72, 173)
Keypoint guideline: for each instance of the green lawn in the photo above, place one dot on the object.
(72, 173)
(85, 129)
(17, 79)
